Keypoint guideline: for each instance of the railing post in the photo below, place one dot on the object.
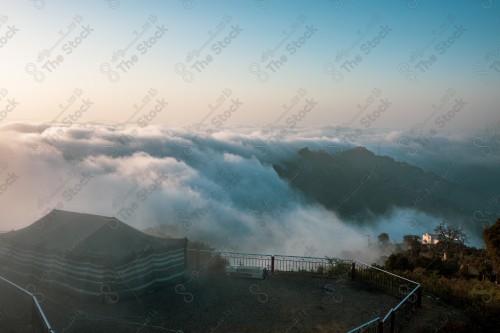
(393, 315)
(353, 271)
(380, 328)
(33, 314)
(272, 264)
(419, 297)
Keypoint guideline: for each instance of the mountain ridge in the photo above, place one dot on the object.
(360, 185)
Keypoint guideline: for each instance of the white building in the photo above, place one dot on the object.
(431, 239)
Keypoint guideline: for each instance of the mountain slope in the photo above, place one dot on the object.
(360, 185)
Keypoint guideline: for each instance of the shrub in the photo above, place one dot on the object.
(398, 261)
(480, 300)
(336, 267)
(217, 264)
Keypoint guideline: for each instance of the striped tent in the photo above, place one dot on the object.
(91, 256)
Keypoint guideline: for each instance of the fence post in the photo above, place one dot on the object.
(380, 328)
(353, 271)
(33, 314)
(393, 315)
(272, 264)
(419, 297)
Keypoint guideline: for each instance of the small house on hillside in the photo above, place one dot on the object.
(431, 239)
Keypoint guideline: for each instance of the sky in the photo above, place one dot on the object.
(336, 54)
(117, 90)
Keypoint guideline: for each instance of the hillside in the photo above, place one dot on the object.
(359, 185)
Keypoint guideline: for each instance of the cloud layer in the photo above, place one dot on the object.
(218, 187)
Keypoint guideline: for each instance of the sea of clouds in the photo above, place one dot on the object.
(220, 187)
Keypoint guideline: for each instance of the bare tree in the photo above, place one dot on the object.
(453, 238)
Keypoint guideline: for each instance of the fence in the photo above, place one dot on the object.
(371, 326)
(199, 259)
(38, 318)
(408, 291)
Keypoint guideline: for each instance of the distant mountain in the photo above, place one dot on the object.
(359, 185)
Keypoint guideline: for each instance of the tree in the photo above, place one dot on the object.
(383, 243)
(451, 234)
(383, 238)
(491, 237)
(412, 241)
(452, 240)
(412, 244)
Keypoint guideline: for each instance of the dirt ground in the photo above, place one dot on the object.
(211, 302)
(437, 316)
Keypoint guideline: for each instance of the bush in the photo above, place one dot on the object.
(480, 300)
(217, 264)
(449, 268)
(398, 261)
(336, 267)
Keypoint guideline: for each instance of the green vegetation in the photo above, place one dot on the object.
(491, 238)
(217, 264)
(335, 267)
(197, 245)
(463, 276)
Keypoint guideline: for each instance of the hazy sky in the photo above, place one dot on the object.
(335, 55)
(236, 67)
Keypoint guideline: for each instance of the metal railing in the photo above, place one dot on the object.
(397, 317)
(273, 263)
(309, 264)
(247, 259)
(371, 326)
(39, 320)
(410, 292)
(200, 259)
(391, 283)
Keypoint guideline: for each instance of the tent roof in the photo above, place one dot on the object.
(80, 236)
